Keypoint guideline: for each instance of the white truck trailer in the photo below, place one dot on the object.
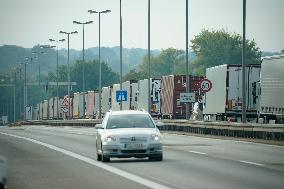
(61, 113)
(92, 104)
(106, 102)
(81, 105)
(45, 110)
(131, 103)
(224, 100)
(51, 108)
(134, 95)
(132, 88)
(29, 113)
(155, 90)
(3, 120)
(76, 105)
(40, 110)
(36, 112)
(272, 89)
(56, 102)
(115, 106)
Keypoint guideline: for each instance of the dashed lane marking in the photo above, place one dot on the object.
(191, 151)
(196, 152)
(251, 163)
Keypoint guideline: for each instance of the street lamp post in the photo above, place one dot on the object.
(100, 66)
(25, 89)
(25, 86)
(68, 35)
(186, 59)
(17, 70)
(83, 51)
(14, 94)
(44, 47)
(120, 48)
(20, 104)
(57, 76)
(41, 52)
(149, 56)
(244, 109)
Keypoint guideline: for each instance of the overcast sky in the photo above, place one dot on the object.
(30, 22)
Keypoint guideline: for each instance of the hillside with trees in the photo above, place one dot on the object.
(11, 56)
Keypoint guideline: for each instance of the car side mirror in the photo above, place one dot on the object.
(99, 126)
(159, 124)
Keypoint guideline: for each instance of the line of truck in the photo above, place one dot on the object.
(137, 98)
(264, 92)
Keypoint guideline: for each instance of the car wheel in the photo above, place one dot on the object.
(99, 156)
(159, 158)
(156, 158)
(104, 158)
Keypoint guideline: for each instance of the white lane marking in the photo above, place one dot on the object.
(191, 151)
(251, 163)
(69, 131)
(195, 152)
(111, 169)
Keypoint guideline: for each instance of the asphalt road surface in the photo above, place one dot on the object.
(64, 157)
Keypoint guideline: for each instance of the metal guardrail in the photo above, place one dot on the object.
(241, 132)
(75, 122)
(238, 130)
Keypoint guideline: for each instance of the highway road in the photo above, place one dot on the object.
(64, 157)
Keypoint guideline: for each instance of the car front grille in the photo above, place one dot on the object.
(133, 139)
(133, 151)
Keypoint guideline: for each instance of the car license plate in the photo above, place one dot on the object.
(133, 146)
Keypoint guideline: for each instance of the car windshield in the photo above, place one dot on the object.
(130, 121)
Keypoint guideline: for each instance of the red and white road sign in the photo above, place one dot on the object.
(65, 101)
(205, 85)
(64, 105)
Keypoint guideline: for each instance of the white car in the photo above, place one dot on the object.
(128, 133)
(2, 172)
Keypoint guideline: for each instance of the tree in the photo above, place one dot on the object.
(76, 73)
(170, 58)
(92, 75)
(219, 47)
(169, 61)
(134, 75)
(282, 51)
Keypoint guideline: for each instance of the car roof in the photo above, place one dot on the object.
(127, 112)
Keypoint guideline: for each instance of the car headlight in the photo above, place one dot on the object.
(110, 138)
(155, 137)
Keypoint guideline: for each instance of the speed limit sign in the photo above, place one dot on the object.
(205, 85)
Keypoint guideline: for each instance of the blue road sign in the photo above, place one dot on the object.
(121, 96)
